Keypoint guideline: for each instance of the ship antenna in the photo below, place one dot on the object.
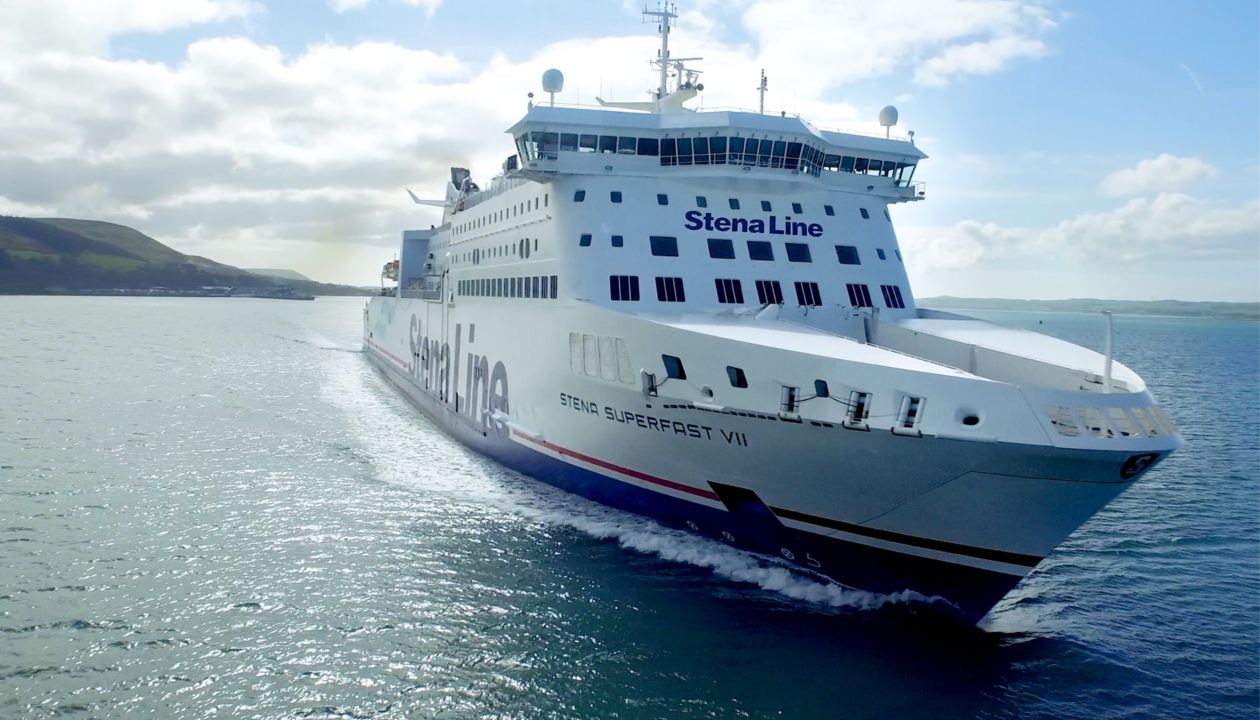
(761, 90)
(665, 12)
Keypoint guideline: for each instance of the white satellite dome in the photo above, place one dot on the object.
(553, 81)
(888, 116)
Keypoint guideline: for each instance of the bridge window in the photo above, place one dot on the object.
(588, 143)
(664, 246)
(662, 199)
(798, 252)
(859, 295)
(568, 141)
(847, 255)
(554, 286)
(760, 250)
(649, 146)
(669, 151)
(717, 146)
(608, 144)
(729, 291)
(769, 292)
(737, 377)
(615, 196)
(670, 289)
(623, 287)
(721, 248)
(807, 294)
(626, 145)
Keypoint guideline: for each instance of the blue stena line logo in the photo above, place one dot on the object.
(776, 225)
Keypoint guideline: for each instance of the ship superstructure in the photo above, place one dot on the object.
(704, 317)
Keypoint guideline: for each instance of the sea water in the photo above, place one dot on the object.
(217, 508)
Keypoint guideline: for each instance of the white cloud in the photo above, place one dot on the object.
(1168, 226)
(1163, 173)
(940, 39)
(85, 26)
(340, 6)
(240, 142)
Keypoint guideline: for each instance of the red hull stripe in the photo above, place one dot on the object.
(708, 495)
(874, 533)
(388, 354)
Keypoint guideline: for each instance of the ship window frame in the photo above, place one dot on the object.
(736, 376)
(734, 203)
(808, 293)
(618, 241)
(662, 198)
(649, 147)
(848, 255)
(866, 215)
(730, 291)
(614, 196)
(769, 292)
(765, 206)
(720, 245)
(670, 289)
(584, 240)
(588, 143)
(702, 201)
(879, 252)
(759, 248)
(663, 245)
(829, 210)
(674, 369)
(798, 252)
(796, 208)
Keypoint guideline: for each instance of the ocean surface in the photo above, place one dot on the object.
(217, 508)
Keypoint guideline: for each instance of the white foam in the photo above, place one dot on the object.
(405, 448)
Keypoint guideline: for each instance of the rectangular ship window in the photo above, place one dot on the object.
(865, 215)
(664, 246)
(769, 292)
(617, 241)
(760, 250)
(847, 255)
(729, 291)
(721, 248)
(670, 289)
(662, 199)
(623, 288)
(737, 377)
(859, 295)
(807, 294)
(798, 252)
(615, 196)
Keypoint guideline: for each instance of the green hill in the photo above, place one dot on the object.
(58, 255)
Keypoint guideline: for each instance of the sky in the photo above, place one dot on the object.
(1076, 149)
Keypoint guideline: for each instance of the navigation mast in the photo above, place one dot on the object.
(665, 13)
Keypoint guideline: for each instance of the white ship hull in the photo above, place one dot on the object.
(963, 519)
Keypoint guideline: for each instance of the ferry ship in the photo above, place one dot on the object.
(704, 317)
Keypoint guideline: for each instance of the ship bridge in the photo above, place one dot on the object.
(559, 140)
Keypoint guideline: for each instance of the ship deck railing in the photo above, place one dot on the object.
(750, 111)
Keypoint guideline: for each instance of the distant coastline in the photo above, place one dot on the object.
(1172, 308)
